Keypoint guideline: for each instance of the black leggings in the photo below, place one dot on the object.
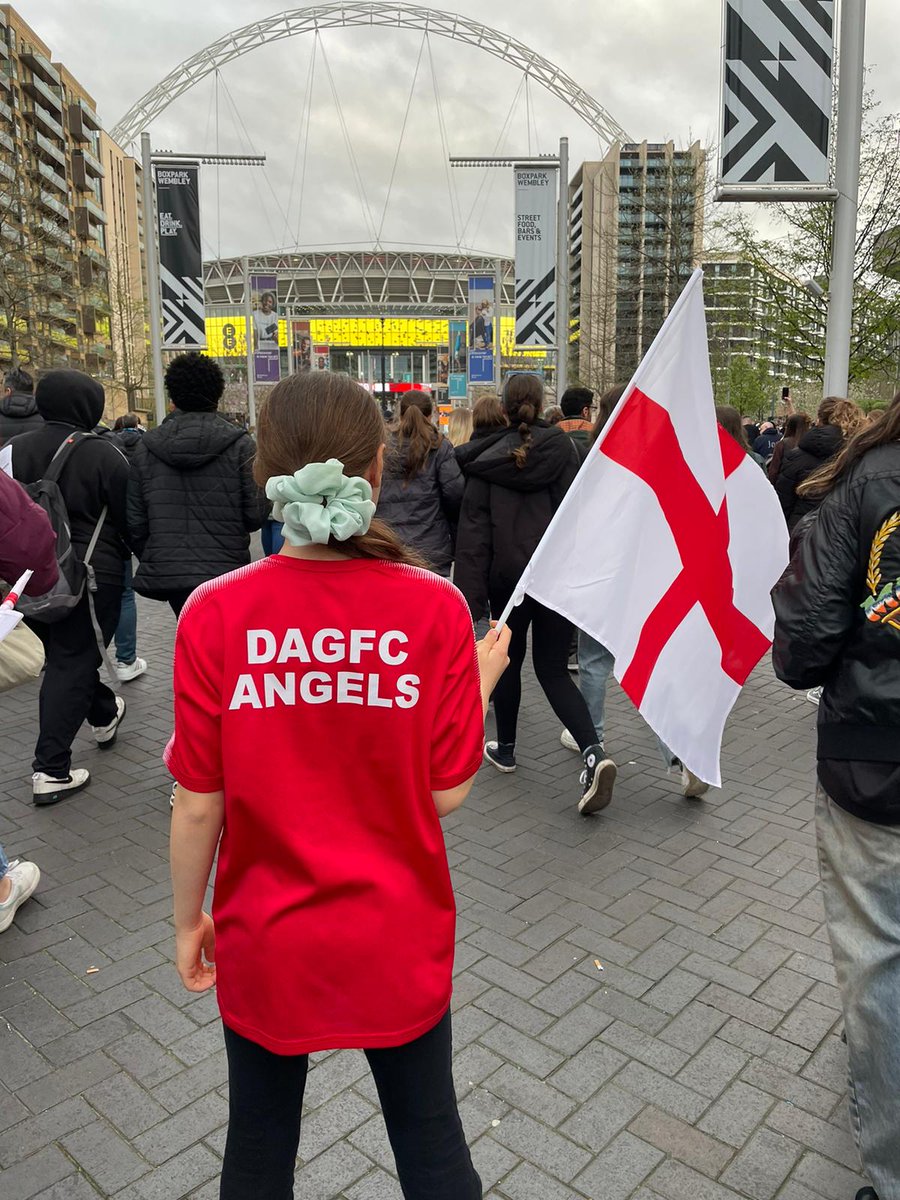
(415, 1086)
(551, 640)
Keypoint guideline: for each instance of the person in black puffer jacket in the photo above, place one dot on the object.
(487, 417)
(514, 485)
(192, 501)
(422, 485)
(837, 623)
(18, 408)
(94, 478)
(837, 418)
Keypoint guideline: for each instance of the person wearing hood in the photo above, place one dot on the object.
(514, 485)
(422, 487)
(192, 501)
(837, 419)
(18, 408)
(93, 479)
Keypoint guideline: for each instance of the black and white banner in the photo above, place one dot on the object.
(535, 256)
(777, 80)
(180, 257)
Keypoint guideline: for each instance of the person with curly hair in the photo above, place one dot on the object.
(837, 420)
(192, 500)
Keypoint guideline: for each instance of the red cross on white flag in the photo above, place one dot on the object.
(667, 546)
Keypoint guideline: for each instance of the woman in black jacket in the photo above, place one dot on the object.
(422, 485)
(837, 419)
(192, 501)
(515, 483)
(838, 623)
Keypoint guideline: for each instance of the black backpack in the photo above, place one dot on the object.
(74, 574)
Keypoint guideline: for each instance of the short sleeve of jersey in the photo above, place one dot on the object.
(194, 752)
(458, 735)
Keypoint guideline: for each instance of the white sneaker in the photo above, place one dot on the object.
(692, 786)
(814, 695)
(128, 671)
(45, 789)
(568, 741)
(105, 735)
(172, 794)
(24, 877)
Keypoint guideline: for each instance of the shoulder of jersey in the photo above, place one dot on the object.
(428, 580)
(224, 583)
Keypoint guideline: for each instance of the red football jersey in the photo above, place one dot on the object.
(328, 700)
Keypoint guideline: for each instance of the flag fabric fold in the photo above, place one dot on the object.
(667, 546)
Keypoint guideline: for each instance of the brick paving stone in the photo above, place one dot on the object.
(702, 1063)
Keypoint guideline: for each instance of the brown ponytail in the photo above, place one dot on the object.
(523, 399)
(416, 436)
(318, 415)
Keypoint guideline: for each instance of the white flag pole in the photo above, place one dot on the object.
(521, 587)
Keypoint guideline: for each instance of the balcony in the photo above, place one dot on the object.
(6, 142)
(55, 231)
(97, 213)
(6, 111)
(93, 165)
(86, 226)
(6, 80)
(45, 146)
(57, 310)
(53, 178)
(6, 171)
(89, 321)
(41, 92)
(4, 49)
(83, 121)
(53, 205)
(39, 116)
(39, 64)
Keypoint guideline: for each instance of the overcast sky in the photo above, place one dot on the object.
(652, 64)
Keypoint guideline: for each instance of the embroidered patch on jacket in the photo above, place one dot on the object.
(883, 606)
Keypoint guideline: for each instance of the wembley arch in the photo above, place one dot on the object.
(296, 21)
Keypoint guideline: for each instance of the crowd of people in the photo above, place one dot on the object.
(330, 850)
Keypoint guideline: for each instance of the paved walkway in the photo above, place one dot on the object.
(645, 1005)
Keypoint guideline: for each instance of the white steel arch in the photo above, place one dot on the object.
(375, 13)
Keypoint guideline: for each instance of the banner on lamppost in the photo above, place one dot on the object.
(266, 356)
(456, 377)
(180, 255)
(301, 347)
(536, 256)
(777, 92)
(321, 356)
(482, 325)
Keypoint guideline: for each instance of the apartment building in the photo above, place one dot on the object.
(636, 234)
(54, 300)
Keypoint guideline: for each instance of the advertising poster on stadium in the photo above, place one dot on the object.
(456, 377)
(321, 357)
(180, 256)
(301, 347)
(535, 256)
(266, 357)
(481, 329)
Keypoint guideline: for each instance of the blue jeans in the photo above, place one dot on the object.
(4, 864)
(126, 630)
(595, 665)
(858, 865)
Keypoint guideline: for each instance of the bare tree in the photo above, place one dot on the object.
(129, 321)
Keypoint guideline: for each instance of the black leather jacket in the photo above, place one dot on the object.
(838, 612)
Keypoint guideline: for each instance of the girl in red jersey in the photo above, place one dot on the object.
(333, 908)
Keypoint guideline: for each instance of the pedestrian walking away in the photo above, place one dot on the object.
(333, 915)
(129, 665)
(838, 624)
(514, 485)
(422, 486)
(795, 427)
(18, 407)
(93, 484)
(837, 420)
(192, 501)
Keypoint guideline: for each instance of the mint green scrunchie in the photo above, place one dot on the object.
(319, 502)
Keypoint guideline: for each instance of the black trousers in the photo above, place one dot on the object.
(551, 640)
(71, 691)
(176, 600)
(415, 1087)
